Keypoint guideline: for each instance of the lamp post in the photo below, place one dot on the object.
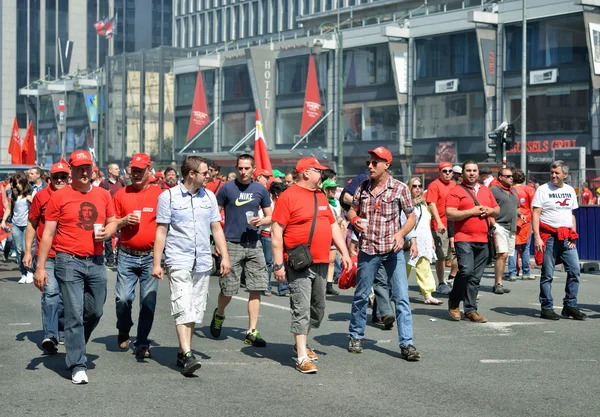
(340, 90)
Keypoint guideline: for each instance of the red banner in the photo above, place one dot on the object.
(261, 154)
(312, 101)
(28, 147)
(199, 118)
(14, 148)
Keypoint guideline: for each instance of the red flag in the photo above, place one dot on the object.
(28, 147)
(199, 118)
(312, 101)
(14, 148)
(261, 154)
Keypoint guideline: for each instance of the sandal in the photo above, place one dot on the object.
(433, 301)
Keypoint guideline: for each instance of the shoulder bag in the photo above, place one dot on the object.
(491, 236)
(299, 257)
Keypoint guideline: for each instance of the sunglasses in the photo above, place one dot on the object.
(417, 186)
(60, 177)
(446, 171)
(374, 163)
(506, 176)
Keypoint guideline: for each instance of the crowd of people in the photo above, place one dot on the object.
(300, 228)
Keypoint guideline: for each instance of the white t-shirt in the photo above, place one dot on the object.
(557, 204)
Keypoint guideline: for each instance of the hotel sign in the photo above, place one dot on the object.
(263, 77)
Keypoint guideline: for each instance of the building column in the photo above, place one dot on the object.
(217, 108)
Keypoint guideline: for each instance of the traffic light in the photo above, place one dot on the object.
(496, 146)
(509, 137)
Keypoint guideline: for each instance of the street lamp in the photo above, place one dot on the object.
(317, 49)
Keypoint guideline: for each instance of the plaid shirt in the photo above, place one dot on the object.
(383, 214)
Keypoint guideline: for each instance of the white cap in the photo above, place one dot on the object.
(456, 169)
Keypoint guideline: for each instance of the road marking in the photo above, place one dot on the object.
(505, 327)
(549, 331)
(261, 363)
(262, 303)
(19, 324)
(495, 361)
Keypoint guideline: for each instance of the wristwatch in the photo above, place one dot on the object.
(277, 267)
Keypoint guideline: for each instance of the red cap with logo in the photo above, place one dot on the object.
(140, 160)
(79, 158)
(308, 163)
(445, 165)
(382, 153)
(60, 166)
(263, 172)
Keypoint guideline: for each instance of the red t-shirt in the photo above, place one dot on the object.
(214, 186)
(295, 211)
(76, 214)
(586, 196)
(525, 195)
(141, 236)
(437, 193)
(37, 212)
(473, 229)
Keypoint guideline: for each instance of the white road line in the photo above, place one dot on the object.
(262, 303)
(505, 327)
(19, 324)
(495, 361)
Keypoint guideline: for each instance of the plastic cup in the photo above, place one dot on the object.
(363, 223)
(249, 216)
(97, 227)
(138, 213)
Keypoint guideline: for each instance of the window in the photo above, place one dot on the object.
(367, 66)
(288, 129)
(292, 74)
(550, 43)
(447, 56)
(371, 121)
(236, 82)
(236, 126)
(265, 17)
(450, 115)
(554, 109)
(255, 19)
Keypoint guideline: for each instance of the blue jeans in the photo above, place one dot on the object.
(130, 270)
(52, 305)
(559, 249)
(283, 287)
(472, 258)
(525, 260)
(82, 283)
(394, 265)
(382, 306)
(18, 233)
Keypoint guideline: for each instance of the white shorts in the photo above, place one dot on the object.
(505, 240)
(189, 292)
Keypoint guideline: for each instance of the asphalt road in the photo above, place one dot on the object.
(515, 365)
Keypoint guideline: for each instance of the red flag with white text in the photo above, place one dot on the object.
(28, 147)
(312, 101)
(261, 154)
(14, 147)
(199, 118)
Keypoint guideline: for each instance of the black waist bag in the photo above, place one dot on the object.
(299, 257)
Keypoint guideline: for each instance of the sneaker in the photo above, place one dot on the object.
(499, 289)
(29, 278)
(312, 356)
(388, 321)
(528, 277)
(143, 352)
(79, 377)
(190, 364)
(409, 353)
(306, 366)
(123, 341)
(450, 281)
(443, 289)
(61, 338)
(180, 359)
(216, 324)
(569, 311)
(549, 314)
(512, 278)
(22, 280)
(253, 338)
(267, 293)
(50, 345)
(285, 294)
(355, 346)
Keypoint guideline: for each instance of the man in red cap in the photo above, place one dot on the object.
(135, 209)
(77, 215)
(52, 307)
(375, 215)
(263, 176)
(302, 217)
(436, 200)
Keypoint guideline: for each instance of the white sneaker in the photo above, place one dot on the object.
(79, 377)
(29, 278)
(23, 279)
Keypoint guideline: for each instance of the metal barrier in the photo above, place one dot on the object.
(588, 245)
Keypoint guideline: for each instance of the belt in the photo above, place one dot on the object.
(265, 233)
(135, 252)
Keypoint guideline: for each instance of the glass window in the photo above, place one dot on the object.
(246, 22)
(446, 56)
(236, 126)
(449, 115)
(292, 74)
(285, 18)
(288, 129)
(550, 43)
(255, 19)
(236, 82)
(371, 121)
(367, 66)
(203, 144)
(549, 110)
(265, 17)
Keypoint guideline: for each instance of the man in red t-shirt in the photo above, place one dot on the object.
(292, 222)
(75, 219)
(135, 209)
(470, 239)
(586, 194)
(215, 183)
(436, 200)
(52, 306)
(170, 177)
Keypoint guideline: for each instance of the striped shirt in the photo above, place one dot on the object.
(382, 212)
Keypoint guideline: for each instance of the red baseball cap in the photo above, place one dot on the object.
(60, 167)
(308, 163)
(159, 174)
(140, 160)
(383, 153)
(445, 165)
(80, 157)
(263, 172)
